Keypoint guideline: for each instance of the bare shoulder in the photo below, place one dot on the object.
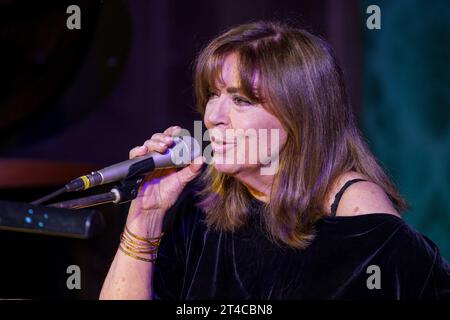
(363, 197)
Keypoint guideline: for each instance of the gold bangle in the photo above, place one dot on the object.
(140, 250)
(129, 238)
(141, 238)
(135, 256)
(132, 245)
(126, 237)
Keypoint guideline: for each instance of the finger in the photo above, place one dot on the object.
(138, 151)
(158, 146)
(191, 171)
(162, 137)
(172, 131)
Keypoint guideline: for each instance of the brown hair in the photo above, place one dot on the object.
(302, 85)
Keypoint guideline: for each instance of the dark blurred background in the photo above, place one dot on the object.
(72, 101)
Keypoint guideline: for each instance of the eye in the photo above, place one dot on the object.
(241, 101)
(212, 95)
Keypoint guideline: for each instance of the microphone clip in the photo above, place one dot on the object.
(125, 192)
(128, 189)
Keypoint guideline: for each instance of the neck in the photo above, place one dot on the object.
(258, 185)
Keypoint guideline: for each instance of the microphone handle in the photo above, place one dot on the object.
(124, 170)
(137, 166)
(116, 172)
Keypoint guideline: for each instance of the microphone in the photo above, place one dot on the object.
(180, 154)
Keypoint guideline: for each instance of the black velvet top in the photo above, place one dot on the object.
(342, 261)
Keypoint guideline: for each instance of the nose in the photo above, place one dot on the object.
(218, 112)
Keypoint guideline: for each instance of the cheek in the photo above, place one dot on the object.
(283, 136)
(206, 117)
(270, 134)
(272, 123)
(274, 136)
(259, 120)
(240, 120)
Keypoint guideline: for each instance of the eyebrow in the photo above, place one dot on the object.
(233, 90)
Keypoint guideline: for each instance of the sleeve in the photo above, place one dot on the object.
(437, 285)
(425, 273)
(170, 266)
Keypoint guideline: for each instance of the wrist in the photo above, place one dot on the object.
(146, 223)
(139, 248)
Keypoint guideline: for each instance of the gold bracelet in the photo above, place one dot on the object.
(135, 256)
(140, 243)
(141, 238)
(132, 245)
(139, 249)
(127, 237)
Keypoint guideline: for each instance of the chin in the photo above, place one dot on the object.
(229, 169)
(235, 169)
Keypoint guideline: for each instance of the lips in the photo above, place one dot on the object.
(218, 141)
(221, 147)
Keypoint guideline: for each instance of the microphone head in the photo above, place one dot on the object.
(181, 154)
(189, 149)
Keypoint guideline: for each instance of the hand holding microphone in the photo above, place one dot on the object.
(158, 159)
(161, 188)
(183, 150)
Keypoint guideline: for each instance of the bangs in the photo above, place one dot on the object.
(209, 75)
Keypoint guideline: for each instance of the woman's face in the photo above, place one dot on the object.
(245, 137)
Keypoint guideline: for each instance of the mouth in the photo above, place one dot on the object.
(221, 147)
(218, 141)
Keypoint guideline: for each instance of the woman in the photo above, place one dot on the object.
(326, 224)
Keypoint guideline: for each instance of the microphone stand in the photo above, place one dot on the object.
(127, 191)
